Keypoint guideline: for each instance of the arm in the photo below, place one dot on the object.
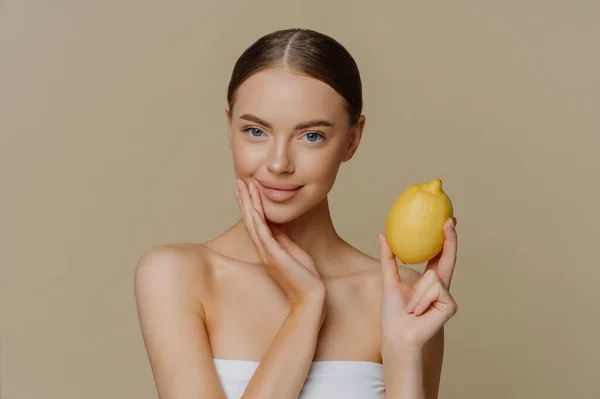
(172, 321)
(412, 321)
(414, 374)
(171, 318)
(283, 369)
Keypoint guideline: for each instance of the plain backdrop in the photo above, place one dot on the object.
(113, 140)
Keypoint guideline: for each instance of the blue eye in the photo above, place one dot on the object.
(313, 137)
(255, 132)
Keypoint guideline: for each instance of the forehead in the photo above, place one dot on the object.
(284, 97)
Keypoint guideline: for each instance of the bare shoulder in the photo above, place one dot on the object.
(169, 282)
(169, 255)
(364, 275)
(177, 268)
(408, 274)
(373, 266)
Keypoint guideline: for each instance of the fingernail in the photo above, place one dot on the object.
(381, 240)
(250, 187)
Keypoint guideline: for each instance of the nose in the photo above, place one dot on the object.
(280, 161)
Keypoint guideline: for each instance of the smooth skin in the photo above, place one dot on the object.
(280, 286)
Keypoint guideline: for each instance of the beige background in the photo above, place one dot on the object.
(113, 140)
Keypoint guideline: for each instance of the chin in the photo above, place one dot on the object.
(281, 213)
(285, 212)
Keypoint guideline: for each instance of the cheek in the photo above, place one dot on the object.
(323, 169)
(246, 158)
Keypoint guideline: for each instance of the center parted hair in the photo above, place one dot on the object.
(307, 52)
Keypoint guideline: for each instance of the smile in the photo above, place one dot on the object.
(278, 192)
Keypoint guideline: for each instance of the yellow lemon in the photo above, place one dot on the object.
(414, 225)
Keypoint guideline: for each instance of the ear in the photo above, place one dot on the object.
(228, 116)
(355, 136)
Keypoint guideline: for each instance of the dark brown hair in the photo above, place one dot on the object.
(307, 52)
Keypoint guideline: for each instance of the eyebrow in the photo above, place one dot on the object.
(300, 126)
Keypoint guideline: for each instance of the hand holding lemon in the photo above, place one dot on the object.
(420, 227)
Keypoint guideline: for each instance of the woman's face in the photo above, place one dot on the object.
(289, 133)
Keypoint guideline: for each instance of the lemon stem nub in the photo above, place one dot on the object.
(434, 187)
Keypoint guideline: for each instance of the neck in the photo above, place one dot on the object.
(313, 231)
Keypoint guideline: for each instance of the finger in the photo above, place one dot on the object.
(256, 199)
(237, 195)
(274, 248)
(389, 267)
(432, 264)
(256, 203)
(438, 296)
(246, 210)
(447, 260)
(432, 294)
(420, 288)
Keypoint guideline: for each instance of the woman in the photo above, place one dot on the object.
(279, 305)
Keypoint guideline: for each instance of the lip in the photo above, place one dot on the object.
(280, 186)
(278, 192)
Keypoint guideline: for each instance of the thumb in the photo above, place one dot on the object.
(389, 267)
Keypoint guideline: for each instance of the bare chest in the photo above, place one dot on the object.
(246, 309)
